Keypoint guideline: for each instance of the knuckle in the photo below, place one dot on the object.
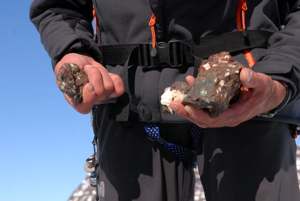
(116, 79)
(99, 91)
(109, 87)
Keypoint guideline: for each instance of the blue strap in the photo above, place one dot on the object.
(183, 153)
(196, 132)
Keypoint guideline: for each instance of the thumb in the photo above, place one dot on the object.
(88, 99)
(249, 78)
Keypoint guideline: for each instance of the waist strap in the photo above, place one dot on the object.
(174, 53)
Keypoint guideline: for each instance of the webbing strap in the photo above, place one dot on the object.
(183, 153)
(184, 50)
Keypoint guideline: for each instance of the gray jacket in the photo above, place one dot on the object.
(65, 26)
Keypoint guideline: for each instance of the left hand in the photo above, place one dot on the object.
(259, 94)
(102, 84)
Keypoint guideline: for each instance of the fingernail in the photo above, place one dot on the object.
(189, 110)
(174, 108)
(90, 88)
(249, 76)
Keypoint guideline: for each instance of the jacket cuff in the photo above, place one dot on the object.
(79, 46)
(274, 111)
(279, 70)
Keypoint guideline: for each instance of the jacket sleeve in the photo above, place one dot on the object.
(282, 59)
(65, 27)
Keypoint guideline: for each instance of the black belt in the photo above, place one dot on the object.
(175, 53)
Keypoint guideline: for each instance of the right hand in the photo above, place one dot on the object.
(258, 94)
(102, 84)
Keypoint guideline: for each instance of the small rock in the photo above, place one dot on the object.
(72, 80)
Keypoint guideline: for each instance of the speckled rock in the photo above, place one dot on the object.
(215, 87)
(216, 84)
(72, 80)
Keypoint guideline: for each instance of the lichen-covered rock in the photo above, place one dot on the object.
(72, 80)
(216, 84)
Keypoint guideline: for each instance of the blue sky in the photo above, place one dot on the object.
(44, 142)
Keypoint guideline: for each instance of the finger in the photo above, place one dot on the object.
(167, 89)
(198, 115)
(190, 80)
(180, 109)
(250, 79)
(118, 86)
(96, 79)
(244, 88)
(246, 77)
(107, 80)
(231, 117)
(87, 103)
(235, 114)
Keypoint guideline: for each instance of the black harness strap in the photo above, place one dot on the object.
(230, 42)
(173, 54)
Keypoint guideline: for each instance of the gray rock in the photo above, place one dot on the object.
(72, 80)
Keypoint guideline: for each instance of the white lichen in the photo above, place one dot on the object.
(169, 96)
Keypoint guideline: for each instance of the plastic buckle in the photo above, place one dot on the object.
(176, 53)
(144, 55)
(168, 54)
(162, 55)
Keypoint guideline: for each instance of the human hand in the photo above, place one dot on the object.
(259, 94)
(102, 84)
